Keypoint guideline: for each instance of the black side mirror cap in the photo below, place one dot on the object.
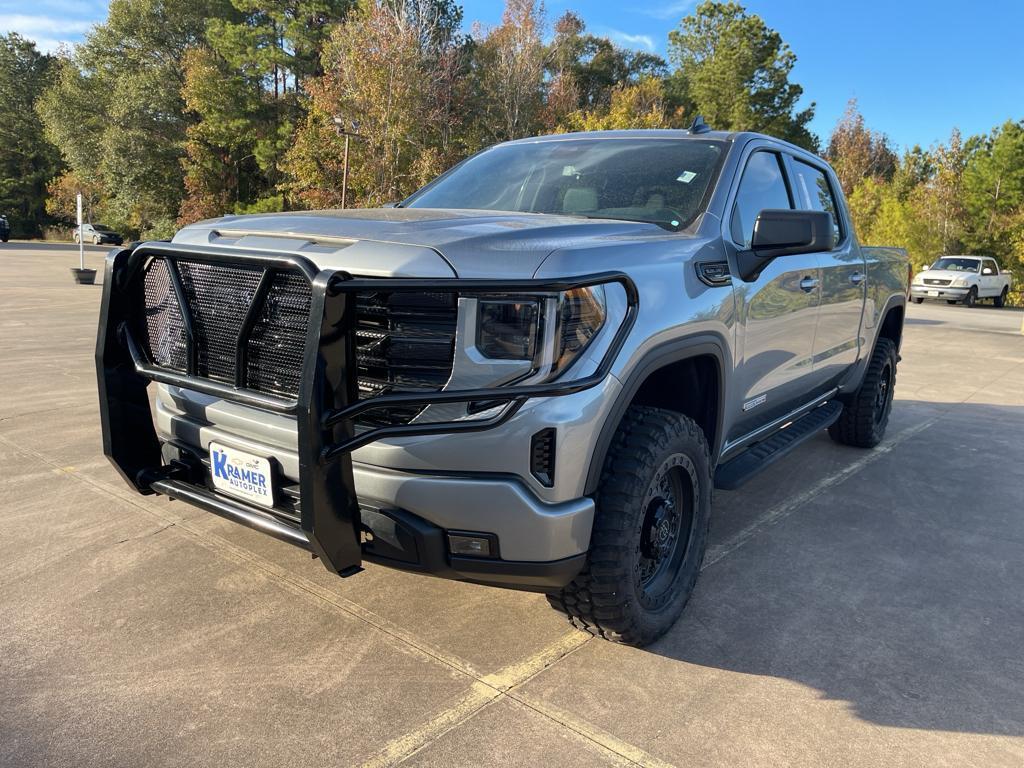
(784, 232)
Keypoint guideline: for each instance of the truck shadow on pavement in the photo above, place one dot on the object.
(899, 589)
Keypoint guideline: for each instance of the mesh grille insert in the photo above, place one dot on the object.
(219, 298)
(165, 331)
(279, 335)
(405, 342)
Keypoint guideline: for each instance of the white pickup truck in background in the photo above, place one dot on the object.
(962, 279)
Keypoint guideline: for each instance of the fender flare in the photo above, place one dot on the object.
(667, 353)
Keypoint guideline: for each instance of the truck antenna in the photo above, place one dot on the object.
(698, 125)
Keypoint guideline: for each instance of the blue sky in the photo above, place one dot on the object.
(917, 67)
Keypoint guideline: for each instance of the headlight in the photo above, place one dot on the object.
(960, 282)
(551, 331)
(507, 330)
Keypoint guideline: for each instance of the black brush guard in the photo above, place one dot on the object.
(327, 402)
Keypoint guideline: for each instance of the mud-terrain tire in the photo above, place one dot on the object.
(653, 505)
(1000, 300)
(866, 414)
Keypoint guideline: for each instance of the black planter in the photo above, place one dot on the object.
(84, 276)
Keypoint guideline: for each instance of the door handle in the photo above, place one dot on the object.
(857, 278)
(808, 284)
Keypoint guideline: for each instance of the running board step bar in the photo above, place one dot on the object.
(735, 472)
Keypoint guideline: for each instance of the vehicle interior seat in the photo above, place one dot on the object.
(579, 200)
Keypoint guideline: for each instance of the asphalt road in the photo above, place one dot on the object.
(856, 608)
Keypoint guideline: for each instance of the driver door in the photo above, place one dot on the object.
(778, 311)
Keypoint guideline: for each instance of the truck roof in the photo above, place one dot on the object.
(660, 133)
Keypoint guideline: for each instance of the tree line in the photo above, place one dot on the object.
(175, 110)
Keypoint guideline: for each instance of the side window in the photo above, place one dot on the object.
(813, 193)
(761, 187)
(991, 265)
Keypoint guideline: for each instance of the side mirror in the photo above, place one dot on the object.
(987, 271)
(783, 232)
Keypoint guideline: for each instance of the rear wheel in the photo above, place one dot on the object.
(866, 415)
(1000, 300)
(972, 297)
(650, 530)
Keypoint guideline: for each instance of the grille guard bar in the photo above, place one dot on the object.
(327, 402)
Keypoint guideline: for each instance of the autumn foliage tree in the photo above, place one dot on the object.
(857, 153)
(392, 73)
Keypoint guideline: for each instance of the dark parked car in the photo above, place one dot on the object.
(98, 233)
(5, 229)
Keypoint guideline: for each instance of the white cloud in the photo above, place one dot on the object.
(57, 23)
(673, 11)
(631, 41)
(32, 26)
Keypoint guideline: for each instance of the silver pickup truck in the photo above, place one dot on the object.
(531, 373)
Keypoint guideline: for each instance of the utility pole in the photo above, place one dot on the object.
(350, 130)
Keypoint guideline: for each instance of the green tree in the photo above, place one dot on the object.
(595, 64)
(993, 186)
(117, 113)
(246, 89)
(27, 159)
(733, 69)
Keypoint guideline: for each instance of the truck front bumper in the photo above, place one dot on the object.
(341, 512)
(945, 292)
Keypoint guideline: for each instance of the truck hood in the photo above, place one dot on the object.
(472, 243)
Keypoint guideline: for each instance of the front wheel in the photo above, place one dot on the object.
(1000, 300)
(95, 239)
(972, 297)
(918, 301)
(866, 415)
(650, 530)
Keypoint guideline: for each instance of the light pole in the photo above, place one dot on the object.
(349, 129)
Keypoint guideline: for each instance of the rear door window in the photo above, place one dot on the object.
(814, 193)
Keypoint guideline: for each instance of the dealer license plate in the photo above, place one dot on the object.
(242, 474)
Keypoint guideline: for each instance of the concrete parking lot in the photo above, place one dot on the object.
(856, 608)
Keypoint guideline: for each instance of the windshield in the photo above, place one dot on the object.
(957, 264)
(661, 181)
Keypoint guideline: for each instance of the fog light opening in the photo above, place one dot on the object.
(471, 544)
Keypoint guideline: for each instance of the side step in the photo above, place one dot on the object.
(735, 472)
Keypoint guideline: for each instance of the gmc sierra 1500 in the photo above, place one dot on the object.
(531, 373)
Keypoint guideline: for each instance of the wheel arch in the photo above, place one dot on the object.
(891, 326)
(680, 360)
